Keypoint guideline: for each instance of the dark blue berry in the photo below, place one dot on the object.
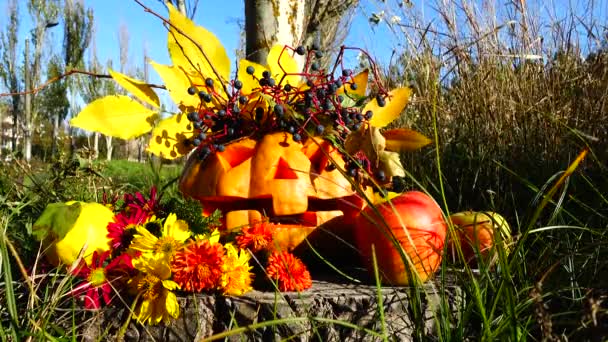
(287, 87)
(279, 109)
(381, 101)
(369, 114)
(300, 50)
(238, 84)
(380, 175)
(196, 142)
(320, 129)
(221, 148)
(271, 82)
(314, 66)
(266, 74)
(192, 116)
(318, 54)
(297, 137)
(263, 82)
(205, 96)
(346, 72)
(250, 70)
(242, 99)
(202, 136)
(192, 90)
(354, 86)
(221, 112)
(291, 129)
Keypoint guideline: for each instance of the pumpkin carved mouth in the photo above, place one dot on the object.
(291, 183)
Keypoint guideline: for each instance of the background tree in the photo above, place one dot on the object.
(92, 88)
(9, 71)
(270, 22)
(44, 15)
(77, 31)
(54, 98)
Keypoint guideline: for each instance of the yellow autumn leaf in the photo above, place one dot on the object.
(116, 115)
(193, 48)
(282, 63)
(391, 164)
(360, 80)
(403, 139)
(169, 135)
(395, 103)
(249, 81)
(137, 88)
(177, 83)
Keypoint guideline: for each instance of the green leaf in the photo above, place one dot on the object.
(56, 220)
(403, 140)
(137, 88)
(395, 103)
(116, 115)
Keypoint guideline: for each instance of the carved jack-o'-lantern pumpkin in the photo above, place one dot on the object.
(292, 183)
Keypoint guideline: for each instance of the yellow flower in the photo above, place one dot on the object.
(174, 233)
(237, 277)
(156, 301)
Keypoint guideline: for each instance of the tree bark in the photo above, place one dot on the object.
(27, 125)
(109, 147)
(295, 22)
(270, 22)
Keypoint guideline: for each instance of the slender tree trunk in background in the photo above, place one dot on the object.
(109, 147)
(95, 145)
(55, 134)
(27, 125)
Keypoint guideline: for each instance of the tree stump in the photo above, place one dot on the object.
(329, 311)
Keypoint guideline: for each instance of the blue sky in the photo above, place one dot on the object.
(220, 17)
(223, 17)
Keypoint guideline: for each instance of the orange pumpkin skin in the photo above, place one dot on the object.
(275, 177)
(423, 221)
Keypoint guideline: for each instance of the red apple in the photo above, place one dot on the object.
(412, 213)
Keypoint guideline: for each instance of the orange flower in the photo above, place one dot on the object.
(256, 237)
(198, 266)
(289, 271)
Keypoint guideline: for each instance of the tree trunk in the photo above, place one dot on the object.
(95, 145)
(55, 135)
(109, 147)
(27, 125)
(289, 22)
(270, 22)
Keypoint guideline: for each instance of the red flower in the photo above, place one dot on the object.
(198, 266)
(120, 232)
(289, 271)
(257, 237)
(100, 280)
(138, 201)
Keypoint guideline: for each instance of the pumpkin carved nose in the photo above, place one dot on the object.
(284, 171)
